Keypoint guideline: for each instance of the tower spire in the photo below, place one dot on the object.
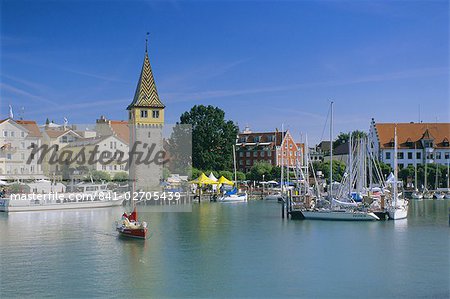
(146, 41)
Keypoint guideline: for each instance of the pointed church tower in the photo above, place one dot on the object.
(146, 120)
(146, 108)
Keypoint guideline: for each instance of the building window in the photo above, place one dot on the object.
(240, 162)
(400, 155)
(22, 156)
(144, 113)
(9, 156)
(418, 155)
(22, 134)
(447, 155)
(5, 133)
(12, 133)
(410, 155)
(247, 162)
(257, 139)
(388, 156)
(241, 154)
(263, 154)
(247, 154)
(269, 154)
(400, 165)
(155, 114)
(438, 155)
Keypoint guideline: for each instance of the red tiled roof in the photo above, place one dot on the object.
(121, 130)
(55, 133)
(409, 135)
(31, 126)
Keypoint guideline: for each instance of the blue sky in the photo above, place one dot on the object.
(264, 62)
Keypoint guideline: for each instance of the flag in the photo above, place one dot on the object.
(11, 114)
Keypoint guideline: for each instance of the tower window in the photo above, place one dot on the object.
(144, 113)
(155, 114)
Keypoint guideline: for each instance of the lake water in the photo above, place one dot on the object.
(225, 250)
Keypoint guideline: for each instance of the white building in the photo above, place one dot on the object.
(111, 154)
(417, 142)
(18, 137)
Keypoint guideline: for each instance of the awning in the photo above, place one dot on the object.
(203, 180)
(225, 181)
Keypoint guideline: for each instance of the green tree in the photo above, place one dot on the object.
(194, 173)
(324, 167)
(98, 175)
(259, 169)
(213, 137)
(344, 137)
(227, 174)
(405, 173)
(275, 174)
(120, 176)
(179, 149)
(385, 169)
(240, 176)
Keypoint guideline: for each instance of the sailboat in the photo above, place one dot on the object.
(398, 206)
(130, 227)
(337, 209)
(233, 195)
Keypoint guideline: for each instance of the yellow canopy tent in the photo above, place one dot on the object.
(203, 180)
(224, 180)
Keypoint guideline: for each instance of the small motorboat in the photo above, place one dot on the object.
(130, 227)
(233, 196)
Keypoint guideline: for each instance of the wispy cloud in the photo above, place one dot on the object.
(81, 106)
(199, 73)
(92, 75)
(21, 92)
(211, 94)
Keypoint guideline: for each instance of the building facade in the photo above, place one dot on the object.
(17, 140)
(276, 148)
(418, 143)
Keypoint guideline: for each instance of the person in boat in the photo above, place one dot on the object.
(124, 216)
(133, 216)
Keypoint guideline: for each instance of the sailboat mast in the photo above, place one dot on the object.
(282, 159)
(415, 167)
(234, 164)
(331, 153)
(395, 167)
(350, 165)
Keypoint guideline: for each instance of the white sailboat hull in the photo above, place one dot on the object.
(7, 205)
(417, 195)
(398, 213)
(234, 198)
(340, 215)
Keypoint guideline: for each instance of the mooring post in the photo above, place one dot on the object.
(282, 210)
